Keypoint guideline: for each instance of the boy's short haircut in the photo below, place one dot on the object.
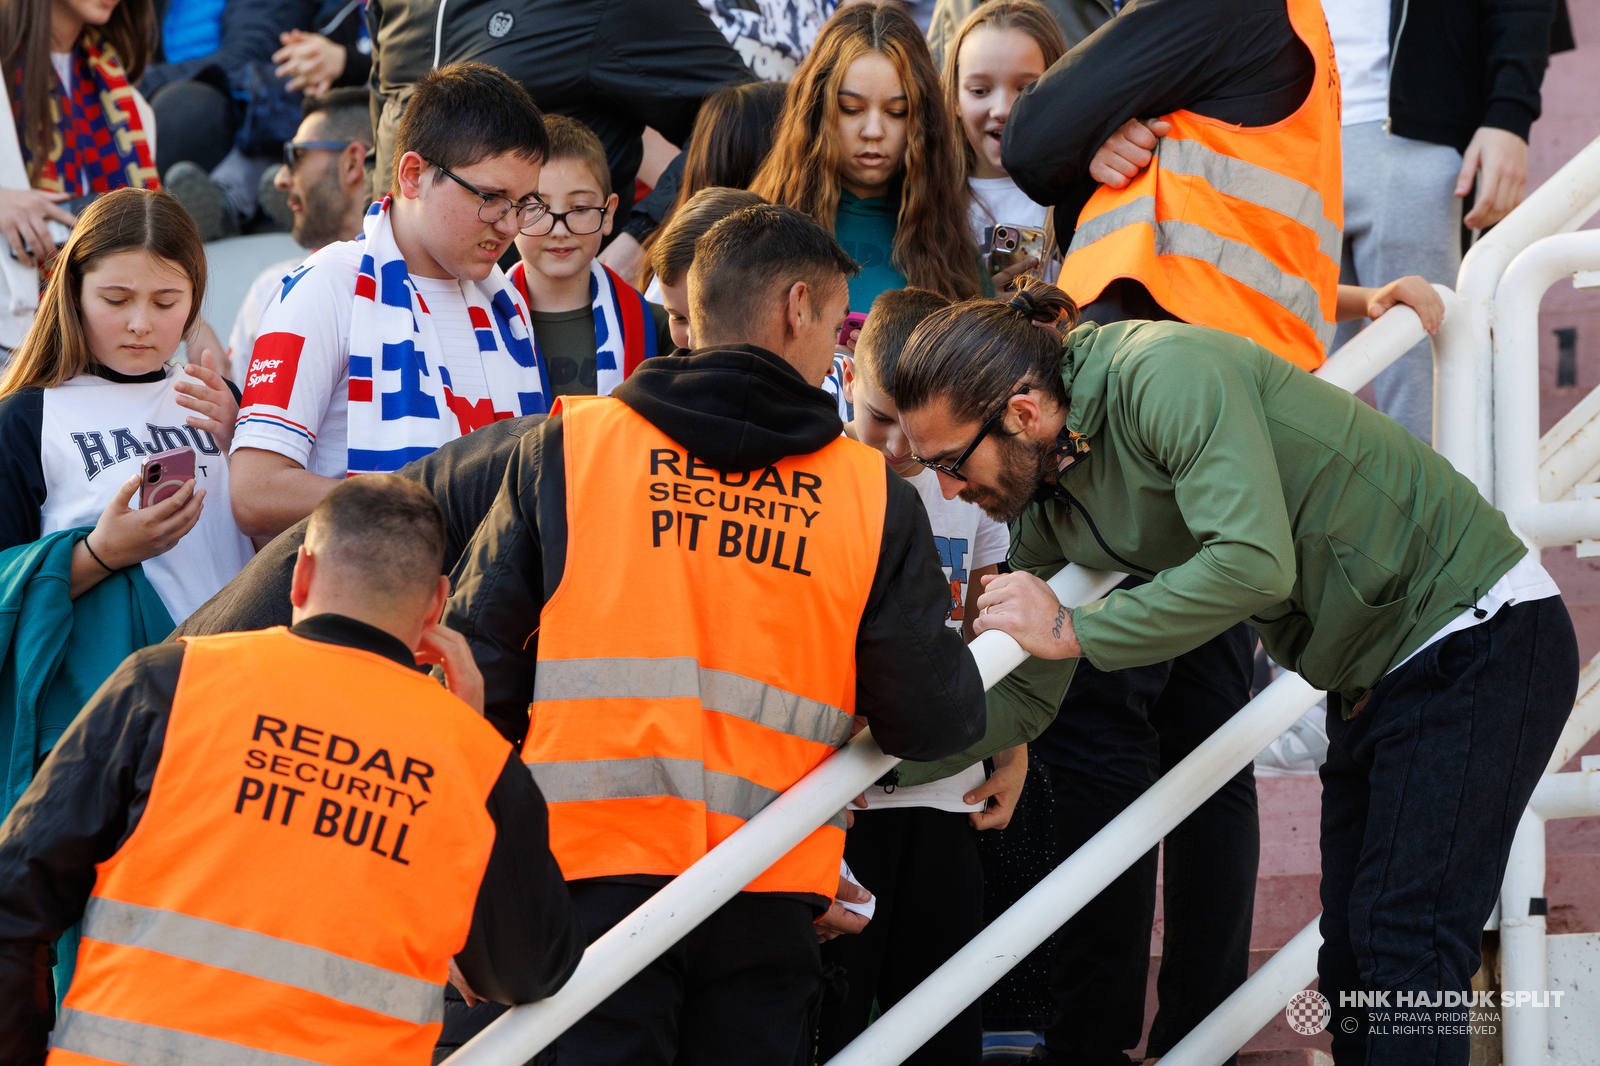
(674, 248)
(383, 533)
(571, 139)
(464, 113)
(744, 263)
(894, 315)
(346, 114)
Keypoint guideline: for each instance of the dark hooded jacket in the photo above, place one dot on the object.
(737, 408)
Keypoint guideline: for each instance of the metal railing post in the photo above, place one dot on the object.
(1516, 392)
(1525, 1029)
(1565, 201)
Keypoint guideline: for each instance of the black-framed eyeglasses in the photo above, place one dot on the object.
(495, 207)
(294, 151)
(954, 469)
(580, 222)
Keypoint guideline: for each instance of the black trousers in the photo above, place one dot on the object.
(196, 121)
(734, 992)
(922, 865)
(1116, 733)
(1421, 795)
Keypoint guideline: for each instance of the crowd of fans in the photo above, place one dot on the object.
(355, 125)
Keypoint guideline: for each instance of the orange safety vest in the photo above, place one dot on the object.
(698, 657)
(306, 865)
(1232, 227)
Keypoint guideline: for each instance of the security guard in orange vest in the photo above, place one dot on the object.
(698, 584)
(280, 843)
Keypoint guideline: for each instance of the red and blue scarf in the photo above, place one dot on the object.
(100, 143)
(624, 328)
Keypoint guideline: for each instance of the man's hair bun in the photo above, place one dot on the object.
(1041, 302)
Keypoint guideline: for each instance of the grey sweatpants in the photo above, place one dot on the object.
(1401, 217)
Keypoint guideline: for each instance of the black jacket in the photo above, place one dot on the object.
(92, 790)
(1456, 66)
(463, 476)
(1238, 61)
(616, 65)
(737, 408)
(250, 31)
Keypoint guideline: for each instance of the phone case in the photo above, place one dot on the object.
(1008, 245)
(164, 474)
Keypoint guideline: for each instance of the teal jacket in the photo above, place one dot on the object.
(56, 650)
(1245, 489)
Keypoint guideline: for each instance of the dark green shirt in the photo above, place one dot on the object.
(566, 343)
(1244, 488)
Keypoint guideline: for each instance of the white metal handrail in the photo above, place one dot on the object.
(1085, 874)
(1516, 392)
(1563, 203)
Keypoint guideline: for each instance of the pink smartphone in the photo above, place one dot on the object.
(854, 320)
(164, 473)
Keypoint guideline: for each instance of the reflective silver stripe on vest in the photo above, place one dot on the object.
(604, 779)
(211, 943)
(1238, 261)
(1255, 184)
(717, 690)
(685, 779)
(137, 1044)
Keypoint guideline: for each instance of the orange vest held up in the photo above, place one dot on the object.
(698, 657)
(1237, 228)
(306, 866)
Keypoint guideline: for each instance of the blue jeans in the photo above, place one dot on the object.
(1421, 795)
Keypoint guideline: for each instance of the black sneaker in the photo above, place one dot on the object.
(204, 199)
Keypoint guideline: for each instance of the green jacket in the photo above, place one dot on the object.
(55, 651)
(1244, 488)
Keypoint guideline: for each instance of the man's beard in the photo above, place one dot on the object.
(322, 212)
(1023, 465)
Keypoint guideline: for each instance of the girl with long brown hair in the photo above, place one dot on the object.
(70, 68)
(868, 148)
(93, 394)
(999, 50)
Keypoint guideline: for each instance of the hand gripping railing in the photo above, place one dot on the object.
(698, 892)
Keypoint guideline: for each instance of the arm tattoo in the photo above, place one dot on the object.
(1062, 614)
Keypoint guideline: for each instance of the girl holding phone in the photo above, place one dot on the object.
(868, 148)
(92, 395)
(1003, 47)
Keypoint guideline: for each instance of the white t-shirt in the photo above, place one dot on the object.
(998, 200)
(448, 305)
(242, 339)
(1360, 32)
(967, 540)
(95, 434)
(1527, 580)
(299, 369)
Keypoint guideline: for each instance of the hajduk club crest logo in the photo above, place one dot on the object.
(1308, 1013)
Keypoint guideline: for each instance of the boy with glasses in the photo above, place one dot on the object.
(591, 328)
(376, 351)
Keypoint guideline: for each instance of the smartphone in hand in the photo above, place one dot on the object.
(164, 474)
(1008, 245)
(853, 321)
